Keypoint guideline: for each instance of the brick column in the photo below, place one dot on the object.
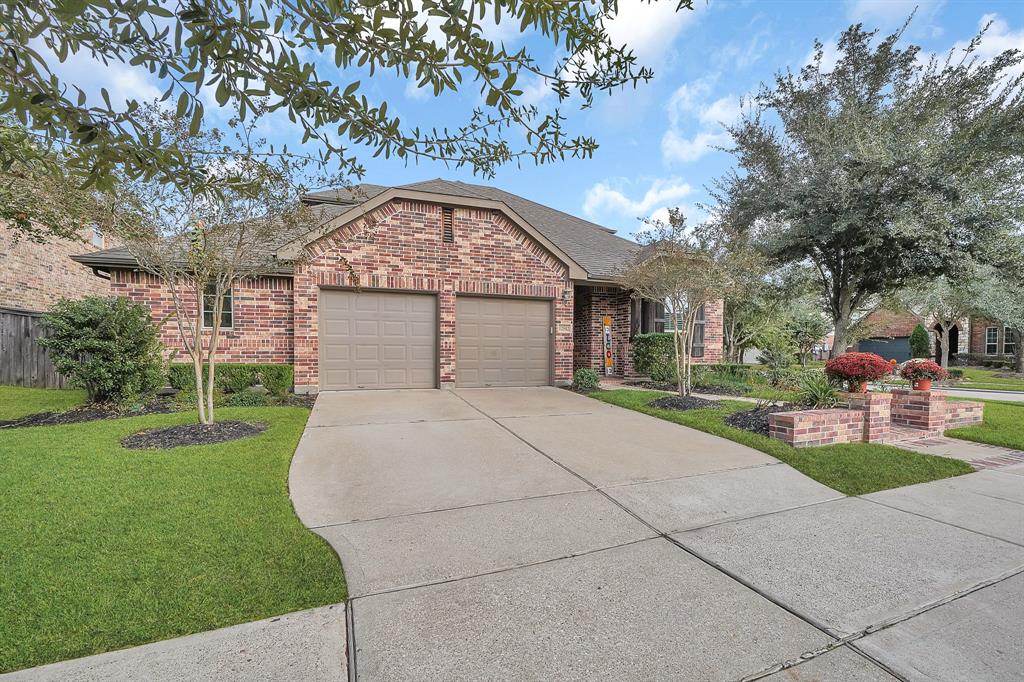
(919, 409)
(877, 408)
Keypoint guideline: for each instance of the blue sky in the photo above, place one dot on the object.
(657, 141)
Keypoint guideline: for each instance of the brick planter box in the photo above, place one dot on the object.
(875, 418)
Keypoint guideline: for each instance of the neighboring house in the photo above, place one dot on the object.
(970, 338)
(33, 276)
(459, 284)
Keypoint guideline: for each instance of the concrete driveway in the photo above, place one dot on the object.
(538, 534)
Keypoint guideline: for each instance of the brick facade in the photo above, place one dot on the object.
(400, 247)
(261, 310)
(811, 428)
(979, 329)
(33, 276)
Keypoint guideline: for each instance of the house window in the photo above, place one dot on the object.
(697, 349)
(659, 317)
(1009, 343)
(227, 320)
(991, 340)
(448, 225)
(96, 237)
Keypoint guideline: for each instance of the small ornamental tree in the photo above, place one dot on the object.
(687, 271)
(108, 346)
(920, 345)
(857, 368)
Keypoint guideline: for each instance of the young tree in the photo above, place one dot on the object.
(920, 342)
(881, 170)
(945, 300)
(307, 58)
(203, 238)
(687, 270)
(808, 326)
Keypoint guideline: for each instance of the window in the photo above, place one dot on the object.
(697, 348)
(991, 340)
(227, 320)
(1009, 342)
(96, 237)
(659, 317)
(447, 225)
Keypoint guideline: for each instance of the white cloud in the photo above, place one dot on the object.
(610, 196)
(690, 102)
(648, 28)
(122, 81)
(890, 14)
(999, 38)
(739, 56)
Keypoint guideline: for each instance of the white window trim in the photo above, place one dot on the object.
(1006, 335)
(995, 344)
(202, 311)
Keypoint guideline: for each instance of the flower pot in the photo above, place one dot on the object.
(921, 384)
(858, 387)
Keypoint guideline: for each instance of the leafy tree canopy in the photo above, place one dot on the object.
(886, 168)
(305, 58)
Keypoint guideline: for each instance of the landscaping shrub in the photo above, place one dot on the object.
(247, 399)
(108, 346)
(817, 392)
(233, 377)
(857, 368)
(585, 379)
(277, 379)
(654, 356)
(777, 349)
(920, 346)
(956, 373)
(785, 378)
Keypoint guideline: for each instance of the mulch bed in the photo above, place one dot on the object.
(675, 402)
(756, 420)
(88, 413)
(664, 386)
(192, 434)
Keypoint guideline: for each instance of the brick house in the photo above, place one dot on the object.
(459, 284)
(971, 339)
(33, 276)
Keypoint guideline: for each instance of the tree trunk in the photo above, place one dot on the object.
(675, 349)
(1018, 347)
(944, 331)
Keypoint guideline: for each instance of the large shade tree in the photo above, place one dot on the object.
(309, 59)
(885, 168)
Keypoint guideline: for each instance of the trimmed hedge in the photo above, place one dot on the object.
(235, 377)
(654, 356)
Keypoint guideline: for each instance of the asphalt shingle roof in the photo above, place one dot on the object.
(597, 249)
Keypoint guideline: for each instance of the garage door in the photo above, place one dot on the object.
(898, 348)
(502, 342)
(377, 340)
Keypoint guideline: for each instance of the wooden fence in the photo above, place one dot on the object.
(23, 362)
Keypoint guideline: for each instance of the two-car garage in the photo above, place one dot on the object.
(376, 339)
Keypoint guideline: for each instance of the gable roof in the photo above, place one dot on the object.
(597, 249)
(590, 250)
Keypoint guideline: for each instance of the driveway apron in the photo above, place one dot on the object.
(532, 533)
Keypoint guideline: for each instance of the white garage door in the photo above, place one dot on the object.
(377, 340)
(502, 342)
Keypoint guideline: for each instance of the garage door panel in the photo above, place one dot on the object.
(502, 342)
(377, 340)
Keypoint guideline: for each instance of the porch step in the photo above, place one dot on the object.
(899, 434)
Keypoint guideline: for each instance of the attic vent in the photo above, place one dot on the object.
(447, 225)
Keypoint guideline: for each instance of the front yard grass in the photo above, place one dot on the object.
(17, 401)
(851, 468)
(103, 548)
(984, 378)
(1003, 425)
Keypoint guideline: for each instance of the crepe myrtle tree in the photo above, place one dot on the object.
(884, 169)
(687, 270)
(202, 239)
(309, 59)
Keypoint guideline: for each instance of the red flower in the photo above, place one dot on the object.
(857, 367)
(922, 369)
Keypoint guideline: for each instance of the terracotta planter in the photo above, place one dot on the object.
(921, 384)
(858, 387)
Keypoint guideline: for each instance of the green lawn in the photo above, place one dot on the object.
(1003, 425)
(16, 402)
(852, 468)
(989, 379)
(103, 548)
